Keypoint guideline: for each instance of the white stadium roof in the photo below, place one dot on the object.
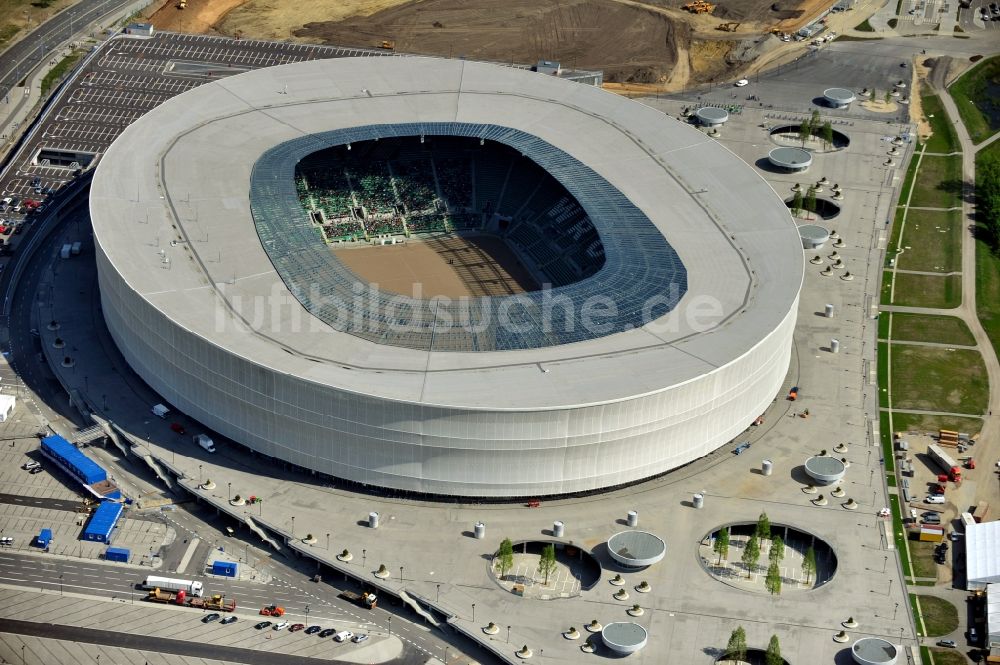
(171, 210)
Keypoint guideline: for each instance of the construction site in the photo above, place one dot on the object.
(641, 46)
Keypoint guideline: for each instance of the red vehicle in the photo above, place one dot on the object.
(177, 427)
(3, 229)
(937, 489)
(296, 627)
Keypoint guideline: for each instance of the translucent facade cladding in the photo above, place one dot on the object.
(435, 450)
(640, 265)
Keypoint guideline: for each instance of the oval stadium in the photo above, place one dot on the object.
(445, 277)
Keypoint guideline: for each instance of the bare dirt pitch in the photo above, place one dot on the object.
(653, 45)
(452, 266)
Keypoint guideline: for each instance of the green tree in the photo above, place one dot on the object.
(988, 195)
(721, 546)
(797, 203)
(805, 131)
(773, 580)
(737, 647)
(809, 563)
(815, 122)
(827, 133)
(547, 564)
(763, 527)
(810, 202)
(777, 551)
(751, 554)
(773, 654)
(888, 96)
(505, 557)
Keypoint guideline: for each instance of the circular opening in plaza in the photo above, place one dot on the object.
(874, 651)
(804, 561)
(753, 657)
(791, 135)
(633, 550)
(825, 209)
(624, 637)
(575, 570)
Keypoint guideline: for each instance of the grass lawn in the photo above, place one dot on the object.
(939, 182)
(887, 278)
(926, 291)
(899, 534)
(925, 328)
(885, 435)
(864, 27)
(943, 137)
(940, 616)
(59, 71)
(948, 657)
(914, 422)
(911, 172)
(931, 241)
(933, 379)
(882, 375)
(971, 94)
(922, 556)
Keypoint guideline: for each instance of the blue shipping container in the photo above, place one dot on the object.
(225, 568)
(81, 467)
(116, 554)
(103, 522)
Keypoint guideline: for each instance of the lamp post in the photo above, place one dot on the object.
(327, 542)
(199, 474)
(293, 526)
(889, 592)
(60, 585)
(894, 612)
(473, 612)
(307, 613)
(390, 625)
(438, 600)
(885, 560)
(230, 486)
(508, 634)
(400, 573)
(871, 475)
(446, 655)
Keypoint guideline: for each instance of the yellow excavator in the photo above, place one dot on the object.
(728, 27)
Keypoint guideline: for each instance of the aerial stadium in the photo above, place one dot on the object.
(445, 277)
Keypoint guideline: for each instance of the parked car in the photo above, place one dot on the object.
(328, 632)
(229, 619)
(357, 639)
(937, 489)
(281, 625)
(313, 629)
(741, 83)
(209, 618)
(931, 519)
(178, 428)
(738, 450)
(955, 535)
(343, 636)
(947, 643)
(37, 469)
(973, 636)
(262, 625)
(934, 498)
(295, 627)
(27, 466)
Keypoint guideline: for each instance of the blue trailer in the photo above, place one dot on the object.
(44, 538)
(224, 568)
(117, 554)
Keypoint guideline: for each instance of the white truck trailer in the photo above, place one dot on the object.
(190, 587)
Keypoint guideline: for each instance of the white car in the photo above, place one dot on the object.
(934, 498)
(358, 639)
(343, 636)
(281, 625)
(741, 83)
(28, 466)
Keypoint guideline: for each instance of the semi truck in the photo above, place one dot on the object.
(191, 588)
(365, 599)
(217, 602)
(952, 469)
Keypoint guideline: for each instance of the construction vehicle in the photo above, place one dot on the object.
(272, 611)
(387, 44)
(165, 596)
(728, 27)
(182, 4)
(217, 602)
(365, 599)
(951, 468)
(699, 7)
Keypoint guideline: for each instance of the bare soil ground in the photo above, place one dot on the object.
(452, 266)
(18, 17)
(637, 43)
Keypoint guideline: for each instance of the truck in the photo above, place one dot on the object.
(204, 441)
(364, 599)
(191, 588)
(272, 611)
(931, 533)
(952, 469)
(64, 253)
(75, 248)
(217, 602)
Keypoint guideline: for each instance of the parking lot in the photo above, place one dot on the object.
(125, 78)
(972, 18)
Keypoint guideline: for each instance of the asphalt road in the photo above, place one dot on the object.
(40, 502)
(158, 644)
(26, 54)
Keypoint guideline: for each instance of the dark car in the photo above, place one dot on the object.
(947, 643)
(313, 629)
(328, 632)
(178, 428)
(937, 489)
(262, 625)
(209, 618)
(228, 620)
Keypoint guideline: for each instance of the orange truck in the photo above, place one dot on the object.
(217, 603)
(272, 611)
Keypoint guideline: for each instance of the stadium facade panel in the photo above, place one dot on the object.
(199, 311)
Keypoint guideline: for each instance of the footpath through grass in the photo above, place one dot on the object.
(920, 422)
(943, 137)
(977, 96)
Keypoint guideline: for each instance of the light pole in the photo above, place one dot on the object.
(400, 573)
(885, 560)
(230, 486)
(874, 494)
(894, 612)
(870, 476)
(473, 612)
(889, 592)
(199, 473)
(363, 557)
(307, 613)
(60, 585)
(438, 600)
(508, 634)
(327, 542)
(293, 526)
(446, 655)
(390, 625)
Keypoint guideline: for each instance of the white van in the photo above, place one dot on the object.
(934, 498)
(205, 442)
(343, 636)
(160, 411)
